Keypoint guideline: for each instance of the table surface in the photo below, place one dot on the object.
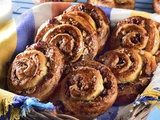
(19, 6)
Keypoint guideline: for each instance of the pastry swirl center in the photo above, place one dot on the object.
(85, 83)
(29, 69)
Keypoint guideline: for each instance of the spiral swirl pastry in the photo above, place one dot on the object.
(127, 4)
(68, 39)
(157, 55)
(84, 15)
(156, 6)
(128, 92)
(88, 32)
(101, 20)
(37, 69)
(126, 64)
(136, 32)
(77, 40)
(149, 63)
(133, 70)
(45, 27)
(86, 85)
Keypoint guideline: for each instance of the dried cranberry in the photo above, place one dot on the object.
(53, 20)
(135, 21)
(135, 39)
(79, 84)
(121, 62)
(84, 9)
(107, 84)
(104, 92)
(39, 45)
(48, 76)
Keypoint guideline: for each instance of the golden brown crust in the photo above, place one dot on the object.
(88, 84)
(101, 20)
(149, 63)
(88, 32)
(45, 27)
(136, 32)
(68, 39)
(126, 64)
(84, 15)
(128, 92)
(126, 4)
(73, 35)
(157, 55)
(156, 6)
(108, 3)
(36, 69)
(139, 72)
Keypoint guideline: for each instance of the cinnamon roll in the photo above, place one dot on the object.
(136, 32)
(68, 39)
(84, 15)
(149, 63)
(156, 6)
(101, 20)
(36, 71)
(133, 70)
(87, 90)
(88, 32)
(73, 35)
(126, 4)
(157, 55)
(44, 28)
(126, 64)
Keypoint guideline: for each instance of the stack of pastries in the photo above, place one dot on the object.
(67, 64)
(133, 55)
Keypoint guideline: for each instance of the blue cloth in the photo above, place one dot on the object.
(154, 114)
(27, 103)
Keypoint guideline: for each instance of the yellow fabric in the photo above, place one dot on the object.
(143, 14)
(5, 101)
(158, 104)
(8, 41)
(15, 114)
(152, 93)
